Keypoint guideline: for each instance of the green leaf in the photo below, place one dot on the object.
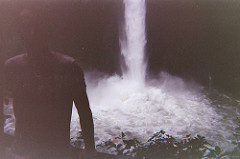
(123, 135)
(218, 150)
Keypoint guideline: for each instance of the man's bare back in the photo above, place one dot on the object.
(43, 93)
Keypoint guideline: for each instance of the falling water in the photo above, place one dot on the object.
(133, 43)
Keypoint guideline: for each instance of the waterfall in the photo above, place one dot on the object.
(134, 41)
(166, 102)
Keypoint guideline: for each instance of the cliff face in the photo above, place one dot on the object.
(197, 39)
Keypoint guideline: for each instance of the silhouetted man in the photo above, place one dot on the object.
(44, 85)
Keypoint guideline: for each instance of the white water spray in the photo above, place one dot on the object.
(133, 43)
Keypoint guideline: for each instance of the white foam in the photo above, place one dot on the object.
(168, 104)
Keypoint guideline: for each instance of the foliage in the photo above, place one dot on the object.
(162, 145)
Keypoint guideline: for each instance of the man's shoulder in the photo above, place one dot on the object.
(65, 60)
(68, 63)
(62, 58)
(14, 61)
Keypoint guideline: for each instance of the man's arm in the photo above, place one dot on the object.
(1, 106)
(84, 111)
(5, 91)
(1, 117)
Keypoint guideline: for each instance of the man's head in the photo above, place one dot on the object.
(34, 31)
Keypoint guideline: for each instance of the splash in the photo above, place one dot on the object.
(166, 103)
